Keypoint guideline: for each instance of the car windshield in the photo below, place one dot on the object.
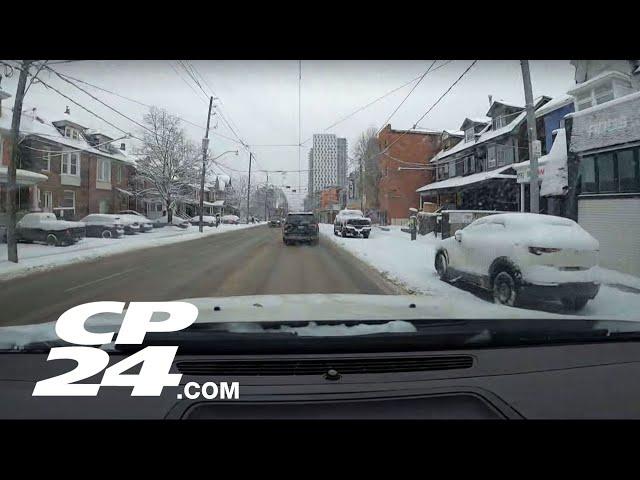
(395, 199)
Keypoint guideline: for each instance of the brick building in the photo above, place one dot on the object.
(397, 188)
(84, 172)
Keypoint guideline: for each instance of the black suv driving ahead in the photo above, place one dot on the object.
(300, 227)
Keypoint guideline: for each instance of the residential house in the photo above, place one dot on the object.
(603, 137)
(27, 181)
(477, 172)
(80, 169)
(412, 149)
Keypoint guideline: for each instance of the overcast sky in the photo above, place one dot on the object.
(260, 98)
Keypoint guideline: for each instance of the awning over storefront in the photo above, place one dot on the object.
(552, 168)
(23, 177)
(467, 180)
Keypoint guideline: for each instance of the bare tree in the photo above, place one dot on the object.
(366, 153)
(168, 162)
(237, 194)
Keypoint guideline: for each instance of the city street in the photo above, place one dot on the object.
(246, 262)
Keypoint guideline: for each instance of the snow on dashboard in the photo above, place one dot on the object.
(315, 330)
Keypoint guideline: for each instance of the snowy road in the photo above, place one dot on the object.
(246, 262)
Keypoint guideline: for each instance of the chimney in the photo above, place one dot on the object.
(123, 147)
(490, 100)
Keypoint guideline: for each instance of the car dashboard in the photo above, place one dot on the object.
(585, 381)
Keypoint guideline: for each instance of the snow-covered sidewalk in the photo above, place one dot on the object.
(38, 257)
(410, 264)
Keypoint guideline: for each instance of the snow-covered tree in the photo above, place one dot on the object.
(168, 163)
(366, 153)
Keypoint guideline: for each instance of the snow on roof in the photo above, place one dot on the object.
(500, 102)
(468, 180)
(603, 106)
(454, 133)
(23, 177)
(554, 104)
(218, 203)
(485, 135)
(597, 79)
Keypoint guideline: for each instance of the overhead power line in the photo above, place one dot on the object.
(406, 96)
(364, 107)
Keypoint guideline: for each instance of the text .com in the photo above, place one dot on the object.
(211, 391)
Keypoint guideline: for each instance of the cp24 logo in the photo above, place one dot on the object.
(156, 360)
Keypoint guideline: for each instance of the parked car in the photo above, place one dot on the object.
(103, 225)
(45, 227)
(230, 219)
(275, 222)
(351, 223)
(523, 255)
(207, 220)
(135, 223)
(300, 227)
(176, 221)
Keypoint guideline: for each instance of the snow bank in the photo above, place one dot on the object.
(37, 258)
(410, 264)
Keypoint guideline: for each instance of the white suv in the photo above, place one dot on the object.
(518, 255)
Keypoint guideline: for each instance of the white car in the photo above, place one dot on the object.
(135, 223)
(351, 223)
(518, 255)
(207, 220)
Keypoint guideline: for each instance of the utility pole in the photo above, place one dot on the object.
(12, 244)
(205, 147)
(534, 143)
(249, 188)
(266, 195)
(361, 187)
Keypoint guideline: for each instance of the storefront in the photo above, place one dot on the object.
(605, 140)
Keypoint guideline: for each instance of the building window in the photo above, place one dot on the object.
(500, 122)
(452, 169)
(469, 134)
(69, 200)
(628, 177)
(611, 172)
(491, 156)
(47, 201)
(603, 94)
(104, 170)
(606, 173)
(588, 175)
(583, 102)
(119, 174)
(70, 164)
(46, 161)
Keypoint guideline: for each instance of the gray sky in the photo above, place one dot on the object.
(261, 98)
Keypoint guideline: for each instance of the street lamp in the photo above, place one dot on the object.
(205, 144)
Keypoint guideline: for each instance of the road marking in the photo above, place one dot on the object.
(100, 279)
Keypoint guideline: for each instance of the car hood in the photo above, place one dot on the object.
(291, 308)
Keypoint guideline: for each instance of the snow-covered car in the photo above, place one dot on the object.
(135, 223)
(45, 227)
(523, 255)
(351, 223)
(230, 219)
(103, 225)
(207, 220)
(176, 221)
